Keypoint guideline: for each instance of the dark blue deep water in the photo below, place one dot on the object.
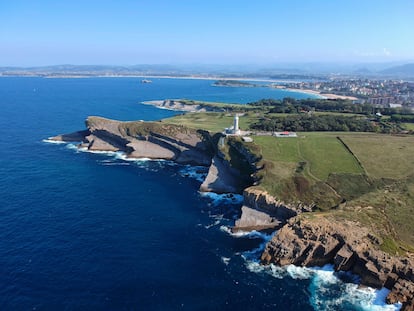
(83, 231)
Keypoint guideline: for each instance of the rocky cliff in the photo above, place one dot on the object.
(262, 211)
(319, 240)
(158, 140)
(153, 140)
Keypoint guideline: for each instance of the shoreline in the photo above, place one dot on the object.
(318, 93)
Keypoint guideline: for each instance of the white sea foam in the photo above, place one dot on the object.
(298, 273)
(226, 198)
(226, 229)
(326, 284)
(245, 234)
(253, 235)
(115, 163)
(217, 222)
(225, 260)
(116, 154)
(57, 142)
(196, 172)
(74, 147)
(328, 292)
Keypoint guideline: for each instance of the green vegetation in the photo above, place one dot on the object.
(291, 105)
(310, 123)
(235, 83)
(383, 156)
(218, 107)
(212, 121)
(145, 128)
(326, 155)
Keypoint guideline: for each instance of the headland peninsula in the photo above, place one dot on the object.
(340, 191)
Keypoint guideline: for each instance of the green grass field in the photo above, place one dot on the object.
(326, 155)
(383, 156)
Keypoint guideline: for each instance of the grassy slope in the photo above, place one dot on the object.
(390, 160)
(317, 166)
(212, 121)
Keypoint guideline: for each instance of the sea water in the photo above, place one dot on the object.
(92, 231)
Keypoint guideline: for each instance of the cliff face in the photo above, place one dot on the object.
(221, 177)
(317, 241)
(143, 140)
(157, 140)
(263, 211)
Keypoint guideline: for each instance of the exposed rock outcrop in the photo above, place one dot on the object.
(262, 211)
(156, 140)
(221, 178)
(143, 140)
(349, 247)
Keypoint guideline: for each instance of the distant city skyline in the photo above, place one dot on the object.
(37, 33)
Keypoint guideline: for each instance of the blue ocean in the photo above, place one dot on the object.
(92, 231)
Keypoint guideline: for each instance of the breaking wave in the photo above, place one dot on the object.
(226, 198)
(327, 289)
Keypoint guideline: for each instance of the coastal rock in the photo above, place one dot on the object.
(152, 140)
(262, 211)
(72, 137)
(156, 140)
(252, 219)
(261, 200)
(318, 240)
(221, 177)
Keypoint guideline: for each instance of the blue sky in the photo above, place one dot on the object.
(207, 32)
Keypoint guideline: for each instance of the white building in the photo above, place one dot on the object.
(235, 129)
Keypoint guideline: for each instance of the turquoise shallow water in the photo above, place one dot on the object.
(84, 231)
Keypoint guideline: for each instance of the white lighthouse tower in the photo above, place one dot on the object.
(236, 130)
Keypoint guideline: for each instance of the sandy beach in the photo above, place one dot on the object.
(318, 93)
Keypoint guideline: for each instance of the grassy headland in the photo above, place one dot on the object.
(368, 177)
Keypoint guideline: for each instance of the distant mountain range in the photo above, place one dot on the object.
(281, 71)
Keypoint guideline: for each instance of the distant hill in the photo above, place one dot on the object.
(363, 71)
(406, 70)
